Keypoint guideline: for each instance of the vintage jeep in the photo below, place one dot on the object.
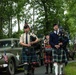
(10, 55)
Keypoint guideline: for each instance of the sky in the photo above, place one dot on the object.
(15, 29)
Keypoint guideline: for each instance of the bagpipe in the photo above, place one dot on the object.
(62, 37)
(35, 45)
(32, 38)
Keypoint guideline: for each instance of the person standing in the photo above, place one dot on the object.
(58, 54)
(28, 52)
(47, 55)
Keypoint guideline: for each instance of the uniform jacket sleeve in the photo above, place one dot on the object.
(51, 40)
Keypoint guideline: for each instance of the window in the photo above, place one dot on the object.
(15, 42)
(6, 43)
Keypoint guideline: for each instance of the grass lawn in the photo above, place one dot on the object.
(70, 69)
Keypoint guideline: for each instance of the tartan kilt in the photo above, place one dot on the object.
(47, 57)
(29, 55)
(59, 55)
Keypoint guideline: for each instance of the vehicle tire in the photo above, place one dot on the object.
(11, 67)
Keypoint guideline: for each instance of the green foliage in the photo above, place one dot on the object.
(49, 12)
(10, 9)
(40, 14)
(17, 34)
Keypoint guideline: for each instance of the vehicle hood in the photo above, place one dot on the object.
(1, 49)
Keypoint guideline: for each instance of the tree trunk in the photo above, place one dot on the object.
(10, 28)
(18, 24)
(46, 24)
(1, 30)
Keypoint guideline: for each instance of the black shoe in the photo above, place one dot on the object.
(46, 72)
(51, 72)
(32, 72)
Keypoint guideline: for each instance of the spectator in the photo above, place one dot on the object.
(47, 55)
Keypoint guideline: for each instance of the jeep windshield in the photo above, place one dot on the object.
(5, 44)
